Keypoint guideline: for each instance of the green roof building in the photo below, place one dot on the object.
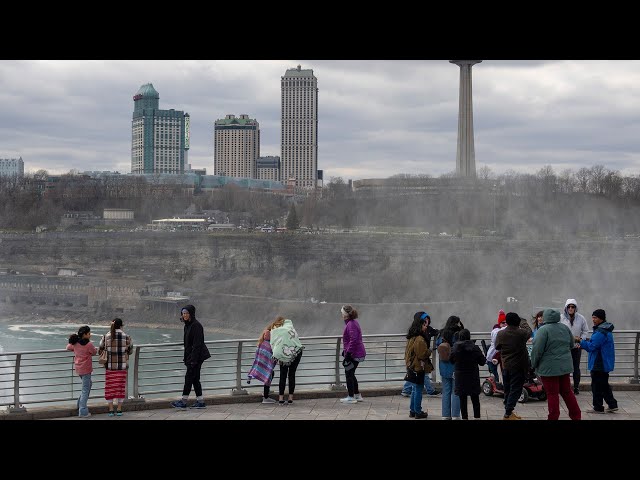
(159, 138)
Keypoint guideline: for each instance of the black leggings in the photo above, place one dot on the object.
(352, 381)
(267, 386)
(575, 356)
(192, 377)
(289, 371)
(475, 401)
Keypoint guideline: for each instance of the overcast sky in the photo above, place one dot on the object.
(376, 118)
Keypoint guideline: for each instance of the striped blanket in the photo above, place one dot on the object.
(262, 367)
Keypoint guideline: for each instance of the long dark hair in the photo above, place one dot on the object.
(75, 337)
(535, 324)
(115, 324)
(416, 328)
(452, 326)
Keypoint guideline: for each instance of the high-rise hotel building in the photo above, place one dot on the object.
(299, 134)
(159, 138)
(11, 167)
(236, 146)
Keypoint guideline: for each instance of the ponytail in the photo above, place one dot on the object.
(73, 338)
(115, 324)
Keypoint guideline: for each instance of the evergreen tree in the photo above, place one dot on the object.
(292, 219)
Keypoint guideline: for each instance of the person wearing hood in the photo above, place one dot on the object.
(81, 345)
(429, 334)
(578, 326)
(467, 358)
(602, 359)
(551, 359)
(195, 353)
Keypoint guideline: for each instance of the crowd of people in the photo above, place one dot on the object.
(551, 348)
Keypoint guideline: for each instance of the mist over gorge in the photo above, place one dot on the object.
(242, 281)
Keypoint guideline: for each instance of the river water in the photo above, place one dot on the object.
(37, 336)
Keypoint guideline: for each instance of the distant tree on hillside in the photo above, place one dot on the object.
(292, 219)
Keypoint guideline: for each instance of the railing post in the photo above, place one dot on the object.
(238, 390)
(17, 407)
(337, 385)
(136, 375)
(635, 379)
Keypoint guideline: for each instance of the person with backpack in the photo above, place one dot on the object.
(448, 337)
(467, 357)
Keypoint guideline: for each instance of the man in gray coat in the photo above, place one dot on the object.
(551, 359)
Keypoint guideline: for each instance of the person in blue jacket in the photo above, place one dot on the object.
(602, 359)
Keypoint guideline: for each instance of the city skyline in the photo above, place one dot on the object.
(375, 118)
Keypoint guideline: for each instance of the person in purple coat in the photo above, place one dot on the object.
(353, 352)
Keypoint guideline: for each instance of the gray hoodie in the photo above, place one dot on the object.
(579, 327)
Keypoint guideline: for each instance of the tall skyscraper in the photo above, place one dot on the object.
(465, 154)
(236, 145)
(299, 134)
(159, 138)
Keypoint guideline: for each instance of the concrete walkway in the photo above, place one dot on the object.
(381, 407)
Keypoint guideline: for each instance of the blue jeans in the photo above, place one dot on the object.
(416, 398)
(450, 401)
(430, 389)
(84, 395)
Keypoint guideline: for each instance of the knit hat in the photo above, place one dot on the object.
(513, 319)
(501, 316)
(600, 314)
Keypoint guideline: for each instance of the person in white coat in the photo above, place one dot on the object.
(578, 326)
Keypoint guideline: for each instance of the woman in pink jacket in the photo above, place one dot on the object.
(81, 345)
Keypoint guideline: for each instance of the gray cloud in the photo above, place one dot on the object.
(376, 118)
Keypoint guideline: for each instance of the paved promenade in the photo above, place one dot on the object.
(379, 407)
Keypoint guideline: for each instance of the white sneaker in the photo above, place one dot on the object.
(358, 397)
(268, 400)
(348, 400)
(85, 416)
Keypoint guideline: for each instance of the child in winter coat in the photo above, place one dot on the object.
(81, 345)
(262, 368)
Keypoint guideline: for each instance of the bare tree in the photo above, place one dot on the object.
(583, 176)
(485, 173)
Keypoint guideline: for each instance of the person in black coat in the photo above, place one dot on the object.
(195, 353)
(467, 357)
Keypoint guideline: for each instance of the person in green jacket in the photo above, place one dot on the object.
(552, 361)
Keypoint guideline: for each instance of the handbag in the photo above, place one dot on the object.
(411, 376)
(102, 359)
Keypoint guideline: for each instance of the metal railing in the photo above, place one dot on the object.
(40, 377)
